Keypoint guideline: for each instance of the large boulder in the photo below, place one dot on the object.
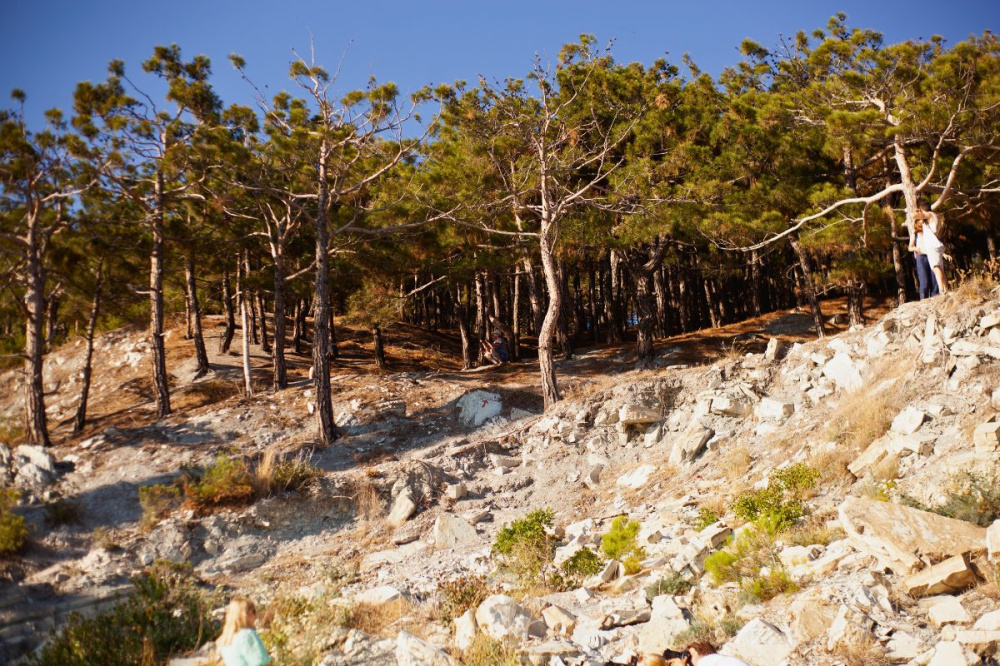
(451, 531)
(33, 466)
(907, 539)
(759, 643)
(666, 620)
(948, 577)
(844, 371)
(412, 651)
(637, 415)
(477, 407)
(501, 618)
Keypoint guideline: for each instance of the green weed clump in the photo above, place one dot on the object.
(674, 584)
(226, 482)
(974, 497)
(583, 564)
(486, 651)
(619, 543)
(524, 544)
(63, 512)
(780, 504)
(157, 502)
(13, 528)
(165, 615)
(762, 588)
(462, 593)
(705, 518)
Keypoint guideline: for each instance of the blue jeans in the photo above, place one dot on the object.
(925, 277)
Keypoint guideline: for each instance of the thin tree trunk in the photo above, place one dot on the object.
(194, 316)
(159, 353)
(279, 369)
(81, 409)
(468, 350)
(52, 316)
(616, 333)
(321, 322)
(810, 285)
(227, 304)
(334, 347)
(547, 331)
(534, 296)
(34, 300)
(515, 323)
(298, 325)
(991, 246)
(265, 344)
(246, 317)
(379, 347)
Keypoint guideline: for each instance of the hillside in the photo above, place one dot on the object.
(384, 554)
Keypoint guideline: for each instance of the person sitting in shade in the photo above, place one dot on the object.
(496, 350)
(239, 644)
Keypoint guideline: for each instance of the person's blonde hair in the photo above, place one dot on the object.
(653, 659)
(237, 617)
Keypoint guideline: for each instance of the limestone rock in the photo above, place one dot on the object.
(451, 531)
(476, 407)
(907, 537)
(759, 643)
(774, 410)
(988, 622)
(502, 618)
(775, 350)
(637, 478)
(952, 653)
(948, 610)
(902, 647)
(666, 620)
(811, 617)
(559, 620)
(870, 457)
(633, 414)
(986, 437)
(980, 642)
(402, 509)
(690, 445)
(373, 561)
(548, 653)
(465, 629)
(378, 596)
(729, 406)
(908, 421)
(844, 372)
(947, 577)
(455, 491)
(850, 628)
(33, 466)
(412, 651)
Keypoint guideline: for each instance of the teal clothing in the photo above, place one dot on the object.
(245, 650)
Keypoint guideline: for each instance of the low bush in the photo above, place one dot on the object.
(13, 528)
(675, 583)
(763, 588)
(165, 615)
(620, 543)
(63, 511)
(524, 544)
(460, 594)
(276, 474)
(710, 630)
(781, 502)
(583, 564)
(226, 482)
(706, 517)
(157, 502)
(974, 497)
(486, 651)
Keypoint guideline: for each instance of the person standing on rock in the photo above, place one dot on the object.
(239, 644)
(928, 224)
(927, 285)
(703, 653)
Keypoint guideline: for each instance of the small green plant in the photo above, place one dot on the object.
(165, 615)
(583, 564)
(63, 512)
(462, 593)
(524, 544)
(675, 583)
(781, 502)
(619, 543)
(486, 651)
(710, 630)
(157, 502)
(226, 482)
(706, 517)
(743, 557)
(13, 529)
(975, 497)
(762, 588)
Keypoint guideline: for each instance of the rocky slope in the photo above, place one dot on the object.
(892, 419)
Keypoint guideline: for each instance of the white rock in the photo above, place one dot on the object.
(948, 610)
(986, 437)
(850, 628)
(502, 618)
(952, 653)
(988, 622)
(455, 491)
(990, 320)
(633, 414)
(665, 622)
(465, 630)
(476, 407)
(759, 643)
(637, 477)
(775, 410)
(908, 421)
(377, 596)
(902, 647)
(775, 349)
(844, 372)
(402, 509)
(451, 531)
(559, 620)
(412, 651)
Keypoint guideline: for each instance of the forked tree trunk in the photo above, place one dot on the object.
(227, 305)
(95, 307)
(194, 317)
(159, 356)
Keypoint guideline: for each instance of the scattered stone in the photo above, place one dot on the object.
(402, 508)
(988, 622)
(637, 478)
(811, 617)
(774, 410)
(690, 445)
(759, 643)
(907, 538)
(952, 653)
(379, 596)
(986, 437)
(504, 462)
(981, 642)
(451, 531)
(477, 407)
(502, 618)
(948, 577)
(33, 466)
(465, 629)
(559, 620)
(908, 421)
(548, 653)
(902, 647)
(990, 320)
(637, 415)
(776, 349)
(844, 372)
(455, 491)
(412, 651)
(729, 406)
(666, 620)
(948, 610)
(381, 558)
(850, 629)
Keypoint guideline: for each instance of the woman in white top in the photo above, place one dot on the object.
(928, 225)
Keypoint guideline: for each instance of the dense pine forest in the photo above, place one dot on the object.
(589, 202)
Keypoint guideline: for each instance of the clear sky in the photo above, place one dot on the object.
(47, 46)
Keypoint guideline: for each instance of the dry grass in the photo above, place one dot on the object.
(989, 588)
(736, 461)
(866, 653)
(977, 285)
(375, 619)
(368, 500)
(276, 473)
(486, 651)
(887, 469)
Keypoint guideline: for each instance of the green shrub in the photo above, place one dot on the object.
(13, 528)
(157, 502)
(675, 583)
(780, 504)
(710, 630)
(462, 593)
(165, 615)
(524, 544)
(619, 543)
(762, 588)
(583, 564)
(975, 498)
(752, 549)
(63, 512)
(486, 651)
(705, 518)
(226, 482)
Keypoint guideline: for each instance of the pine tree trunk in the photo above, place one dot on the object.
(468, 350)
(334, 347)
(710, 301)
(547, 331)
(227, 305)
(298, 325)
(810, 285)
(856, 304)
(265, 344)
(612, 301)
(515, 323)
(321, 335)
(279, 376)
(991, 246)
(95, 307)
(36, 424)
(534, 296)
(246, 317)
(194, 316)
(161, 387)
(379, 347)
(52, 317)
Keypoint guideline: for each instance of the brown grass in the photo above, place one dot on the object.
(375, 619)
(736, 461)
(368, 501)
(867, 653)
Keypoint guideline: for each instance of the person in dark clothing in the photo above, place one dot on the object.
(496, 350)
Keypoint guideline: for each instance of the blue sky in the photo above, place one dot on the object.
(47, 46)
